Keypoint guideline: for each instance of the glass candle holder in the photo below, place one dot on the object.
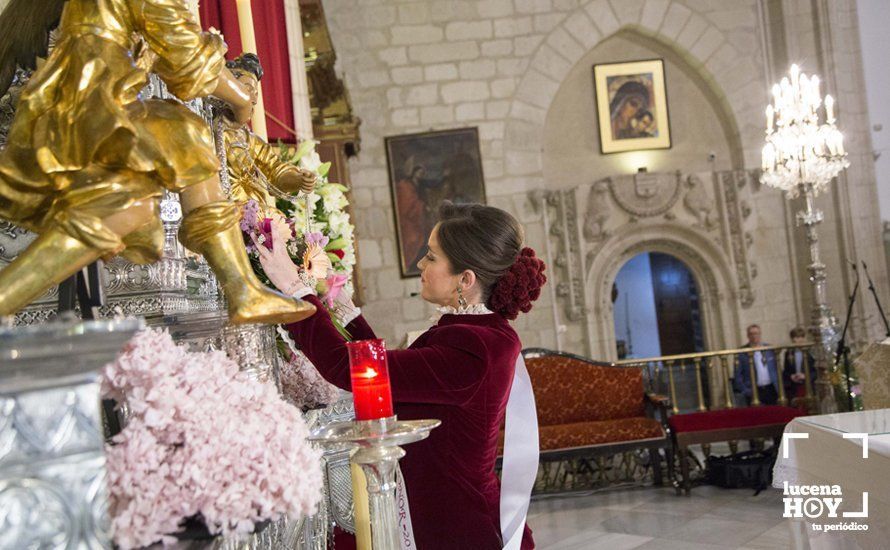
(371, 393)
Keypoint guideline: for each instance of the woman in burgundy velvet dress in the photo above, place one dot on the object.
(459, 371)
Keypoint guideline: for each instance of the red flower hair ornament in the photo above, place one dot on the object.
(519, 286)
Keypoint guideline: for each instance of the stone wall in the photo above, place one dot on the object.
(519, 69)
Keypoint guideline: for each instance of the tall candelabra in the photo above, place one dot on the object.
(801, 157)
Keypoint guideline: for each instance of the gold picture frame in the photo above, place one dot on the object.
(631, 106)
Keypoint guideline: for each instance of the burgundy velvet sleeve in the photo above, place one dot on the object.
(359, 329)
(447, 370)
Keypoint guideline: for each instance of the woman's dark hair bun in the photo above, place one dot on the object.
(521, 285)
(488, 241)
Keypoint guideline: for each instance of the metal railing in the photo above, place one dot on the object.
(714, 372)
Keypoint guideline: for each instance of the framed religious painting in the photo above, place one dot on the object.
(631, 106)
(424, 170)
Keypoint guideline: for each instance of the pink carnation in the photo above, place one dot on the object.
(334, 283)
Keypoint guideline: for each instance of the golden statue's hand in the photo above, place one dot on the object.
(296, 179)
(308, 180)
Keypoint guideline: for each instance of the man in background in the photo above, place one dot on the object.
(765, 371)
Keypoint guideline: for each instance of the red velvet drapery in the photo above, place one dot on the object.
(271, 42)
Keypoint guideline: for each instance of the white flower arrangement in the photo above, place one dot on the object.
(326, 207)
(321, 240)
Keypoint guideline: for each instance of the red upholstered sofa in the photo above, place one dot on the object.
(702, 428)
(590, 409)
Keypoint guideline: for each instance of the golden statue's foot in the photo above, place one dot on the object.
(212, 230)
(263, 306)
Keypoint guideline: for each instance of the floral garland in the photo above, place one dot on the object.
(322, 237)
(202, 440)
(321, 241)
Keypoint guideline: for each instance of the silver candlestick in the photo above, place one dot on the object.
(379, 450)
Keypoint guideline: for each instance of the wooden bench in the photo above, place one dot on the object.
(588, 409)
(703, 428)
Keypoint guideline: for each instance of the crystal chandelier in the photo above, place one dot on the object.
(800, 151)
(801, 157)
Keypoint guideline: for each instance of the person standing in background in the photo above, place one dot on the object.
(796, 360)
(765, 370)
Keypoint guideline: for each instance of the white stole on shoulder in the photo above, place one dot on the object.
(520, 464)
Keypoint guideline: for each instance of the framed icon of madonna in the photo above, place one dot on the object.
(631, 106)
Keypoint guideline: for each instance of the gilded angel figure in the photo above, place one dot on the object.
(87, 159)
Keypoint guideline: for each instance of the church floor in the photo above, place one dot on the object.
(654, 517)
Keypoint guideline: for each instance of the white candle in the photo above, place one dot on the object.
(814, 82)
(245, 26)
(787, 98)
(768, 157)
(829, 109)
(248, 45)
(361, 507)
(805, 95)
(830, 143)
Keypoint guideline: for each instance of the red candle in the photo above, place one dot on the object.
(371, 394)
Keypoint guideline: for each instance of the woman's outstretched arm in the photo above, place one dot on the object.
(447, 370)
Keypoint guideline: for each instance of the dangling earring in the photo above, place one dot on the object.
(461, 301)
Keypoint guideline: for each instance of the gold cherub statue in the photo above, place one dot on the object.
(255, 168)
(87, 158)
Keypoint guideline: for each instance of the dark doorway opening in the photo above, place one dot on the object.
(657, 308)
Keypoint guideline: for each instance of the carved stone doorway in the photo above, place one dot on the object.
(707, 264)
(718, 305)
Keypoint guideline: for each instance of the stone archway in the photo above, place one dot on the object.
(656, 308)
(708, 263)
(710, 266)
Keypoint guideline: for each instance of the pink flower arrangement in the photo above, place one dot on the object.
(203, 440)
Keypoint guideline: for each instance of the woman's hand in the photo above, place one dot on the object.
(343, 308)
(279, 266)
(345, 298)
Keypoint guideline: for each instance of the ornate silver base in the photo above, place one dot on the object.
(378, 443)
(52, 465)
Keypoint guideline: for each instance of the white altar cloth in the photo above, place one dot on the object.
(826, 451)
